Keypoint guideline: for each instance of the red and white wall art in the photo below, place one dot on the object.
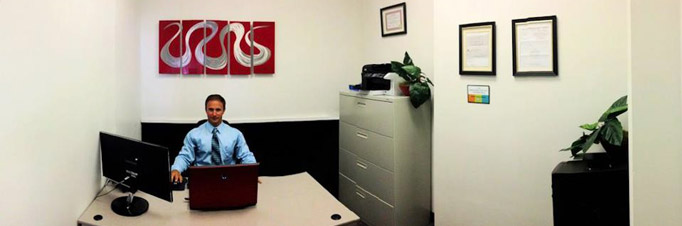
(216, 47)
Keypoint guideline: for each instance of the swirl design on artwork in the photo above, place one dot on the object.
(165, 54)
(220, 62)
(198, 50)
(240, 56)
(264, 54)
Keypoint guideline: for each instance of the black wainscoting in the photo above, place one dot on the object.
(281, 148)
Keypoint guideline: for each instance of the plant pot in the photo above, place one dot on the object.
(599, 160)
(404, 88)
(617, 154)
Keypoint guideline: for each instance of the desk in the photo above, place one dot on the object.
(287, 200)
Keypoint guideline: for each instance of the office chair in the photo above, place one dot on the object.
(204, 120)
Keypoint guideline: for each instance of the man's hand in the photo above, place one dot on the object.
(176, 176)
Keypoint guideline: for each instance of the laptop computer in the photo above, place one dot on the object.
(223, 187)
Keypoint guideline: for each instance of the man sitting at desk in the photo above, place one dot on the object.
(212, 143)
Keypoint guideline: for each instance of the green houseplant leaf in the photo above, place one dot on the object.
(612, 132)
(607, 130)
(590, 140)
(617, 108)
(397, 67)
(577, 145)
(419, 93)
(413, 71)
(590, 127)
(407, 60)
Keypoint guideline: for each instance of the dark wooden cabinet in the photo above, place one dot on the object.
(584, 195)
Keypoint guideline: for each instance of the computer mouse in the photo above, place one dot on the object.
(178, 186)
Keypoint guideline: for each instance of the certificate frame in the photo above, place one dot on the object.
(532, 54)
(393, 19)
(486, 51)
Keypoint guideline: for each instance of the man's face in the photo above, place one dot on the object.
(214, 112)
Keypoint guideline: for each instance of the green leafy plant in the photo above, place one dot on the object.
(420, 91)
(607, 130)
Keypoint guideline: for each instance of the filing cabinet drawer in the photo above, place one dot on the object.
(375, 212)
(368, 145)
(347, 164)
(371, 115)
(370, 177)
(347, 195)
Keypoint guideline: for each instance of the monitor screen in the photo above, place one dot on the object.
(146, 165)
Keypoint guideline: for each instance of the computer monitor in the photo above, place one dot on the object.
(135, 165)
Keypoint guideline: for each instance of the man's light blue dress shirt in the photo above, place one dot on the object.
(197, 147)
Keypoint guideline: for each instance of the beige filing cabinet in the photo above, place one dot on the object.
(385, 159)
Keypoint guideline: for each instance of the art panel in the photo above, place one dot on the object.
(170, 61)
(240, 44)
(216, 47)
(263, 47)
(193, 34)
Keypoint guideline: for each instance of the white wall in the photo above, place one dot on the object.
(61, 83)
(418, 41)
(318, 53)
(656, 117)
(493, 163)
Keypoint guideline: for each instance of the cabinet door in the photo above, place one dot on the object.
(368, 114)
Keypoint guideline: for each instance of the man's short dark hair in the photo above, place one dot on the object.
(214, 97)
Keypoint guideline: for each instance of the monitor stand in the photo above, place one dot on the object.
(129, 205)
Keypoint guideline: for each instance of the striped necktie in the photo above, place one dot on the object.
(215, 148)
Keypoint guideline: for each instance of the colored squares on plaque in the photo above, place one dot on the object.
(263, 47)
(216, 47)
(478, 94)
(169, 47)
(471, 98)
(240, 44)
(193, 33)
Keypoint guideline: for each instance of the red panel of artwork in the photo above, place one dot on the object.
(192, 33)
(216, 47)
(240, 46)
(169, 47)
(263, 47)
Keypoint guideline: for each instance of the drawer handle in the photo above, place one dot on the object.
(361, 165)
(361, 135)
(359, 194)
(361, 104)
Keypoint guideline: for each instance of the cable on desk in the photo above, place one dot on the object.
(105, 185)
(115, 185)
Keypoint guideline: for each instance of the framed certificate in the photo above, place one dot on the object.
(393, 20)
(534, 46)
(477, 49)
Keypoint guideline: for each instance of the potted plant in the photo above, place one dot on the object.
(608, 131)
(419, 90)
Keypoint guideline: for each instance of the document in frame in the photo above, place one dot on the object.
(477, 49)
(534, 46)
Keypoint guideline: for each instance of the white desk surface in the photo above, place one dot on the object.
(287, 200)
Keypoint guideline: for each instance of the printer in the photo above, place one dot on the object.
(378, 79)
